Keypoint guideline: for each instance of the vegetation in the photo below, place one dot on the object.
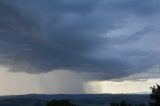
(124, 103)
(59, 103)
(155, 95)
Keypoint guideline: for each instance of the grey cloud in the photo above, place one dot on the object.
(132, 37)
(142, 8)
(40, 36)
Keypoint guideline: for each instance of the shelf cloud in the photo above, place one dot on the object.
(114, 39)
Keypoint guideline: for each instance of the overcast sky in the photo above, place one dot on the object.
(70, 44)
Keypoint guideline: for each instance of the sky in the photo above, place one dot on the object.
(79, 46)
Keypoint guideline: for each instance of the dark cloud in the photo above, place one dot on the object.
(41, 36)
(143, 8)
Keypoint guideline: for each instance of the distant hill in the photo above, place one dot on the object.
(80, 99)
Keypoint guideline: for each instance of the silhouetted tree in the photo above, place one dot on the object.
(141, 105)
(59, 103)
(114, 104)
(123, 103)
(129, 105)
(155, 95)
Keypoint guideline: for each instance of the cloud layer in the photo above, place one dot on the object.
(113, 39)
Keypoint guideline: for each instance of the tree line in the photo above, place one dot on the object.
(154, 96)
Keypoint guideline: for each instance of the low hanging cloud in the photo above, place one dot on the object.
(113, 39)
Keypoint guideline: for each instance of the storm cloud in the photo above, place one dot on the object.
(113, 39)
